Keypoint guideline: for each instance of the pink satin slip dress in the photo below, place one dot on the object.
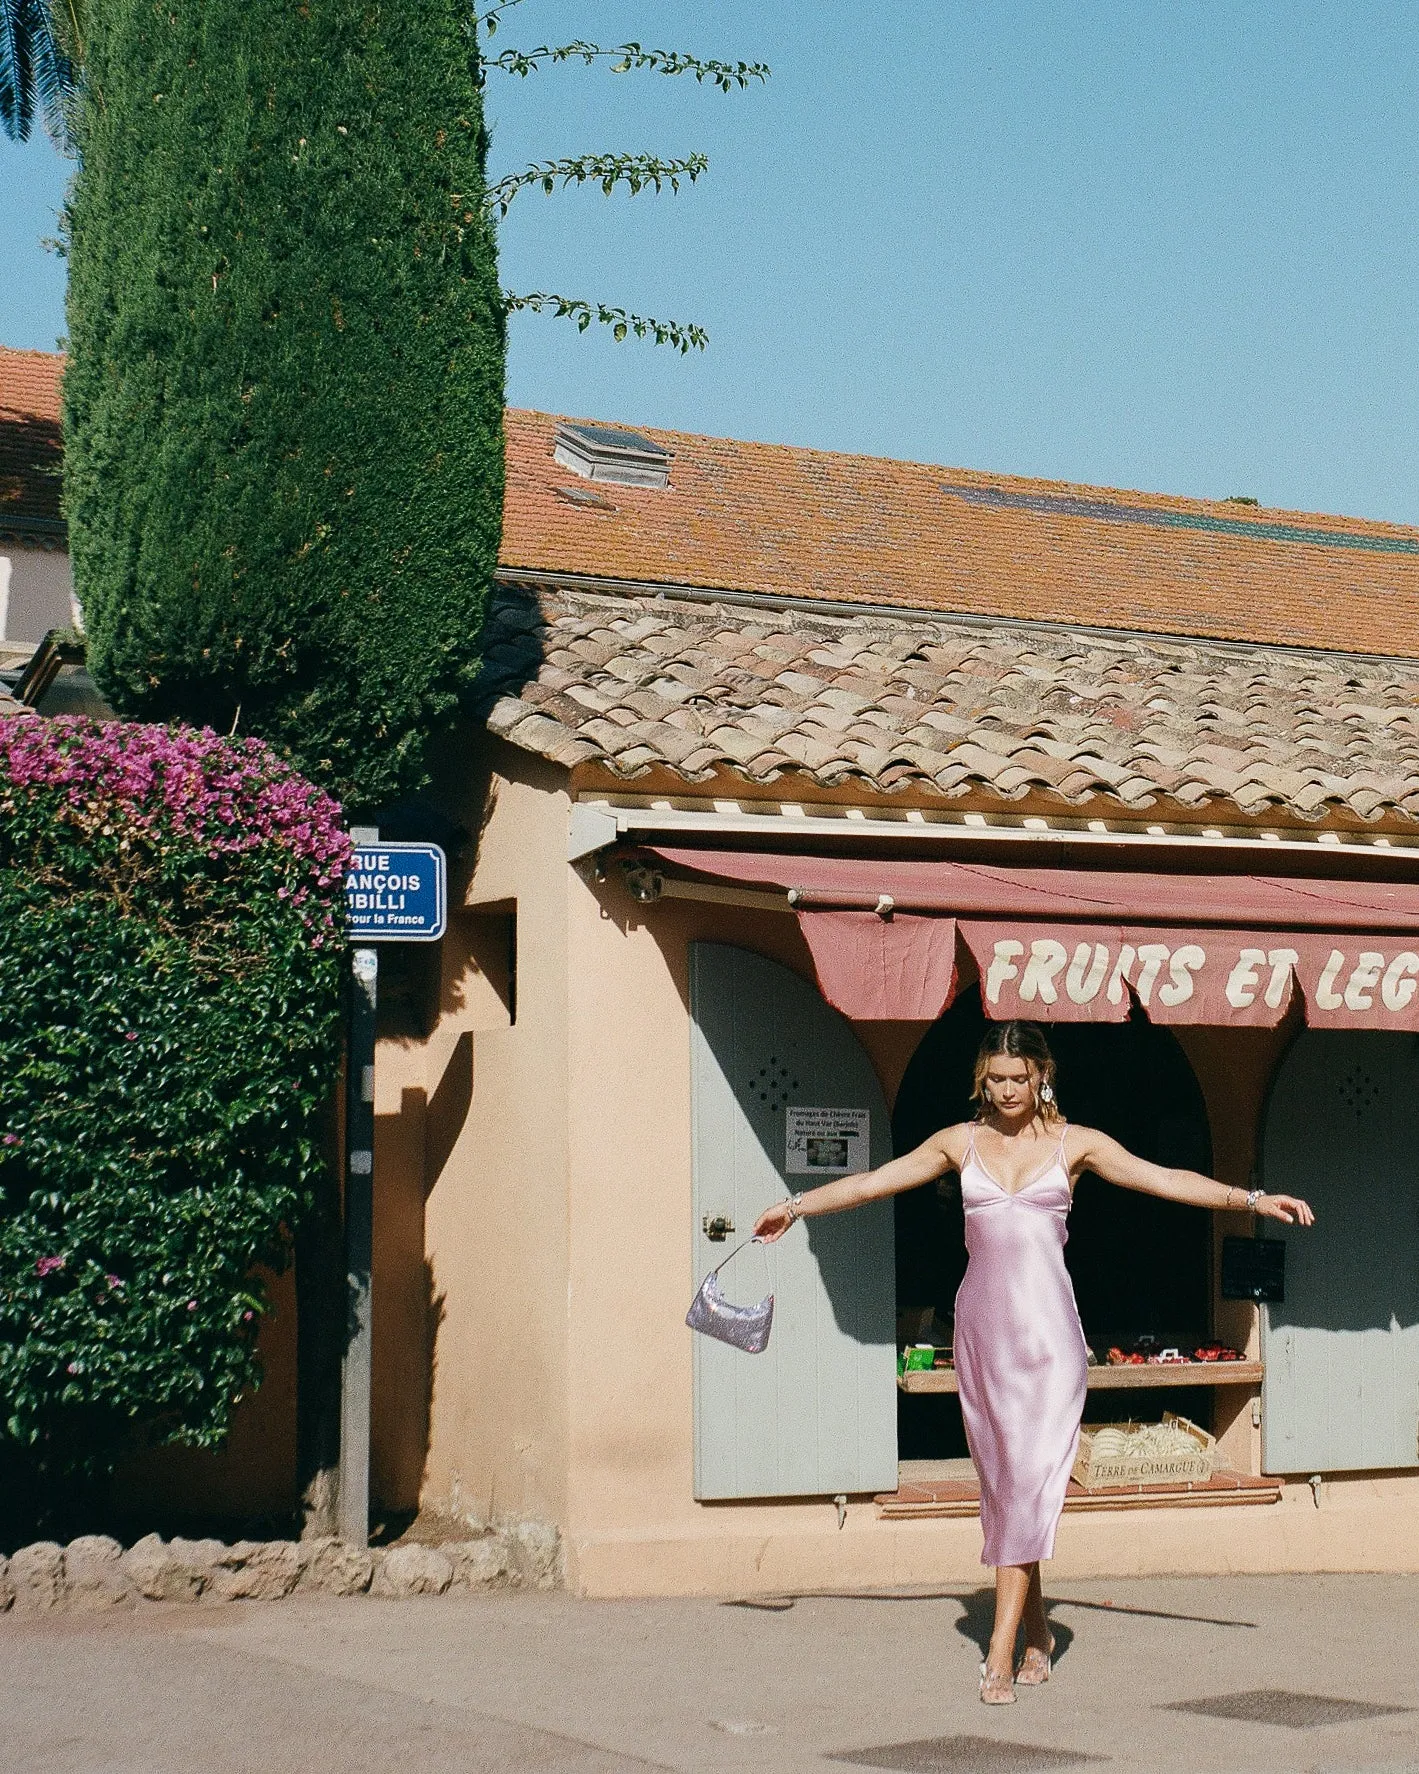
(1020, 1358)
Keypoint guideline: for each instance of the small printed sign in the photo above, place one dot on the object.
(828, 1142)
(397, 893)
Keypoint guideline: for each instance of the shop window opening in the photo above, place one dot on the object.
(1141, 1267)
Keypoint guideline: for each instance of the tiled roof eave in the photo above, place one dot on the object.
(666, 693)
(799, 788)
(51, 535)
(846, 611)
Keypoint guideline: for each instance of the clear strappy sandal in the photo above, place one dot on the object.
(996, 1690)
(1035, 1666)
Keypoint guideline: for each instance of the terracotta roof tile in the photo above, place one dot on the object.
(767, 519)
(31, 447)
(29, 383)
(1036, 714)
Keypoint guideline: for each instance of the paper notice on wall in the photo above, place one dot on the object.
(828, 1142)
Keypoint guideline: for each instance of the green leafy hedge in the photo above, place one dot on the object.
(170, 979)
(283, 395)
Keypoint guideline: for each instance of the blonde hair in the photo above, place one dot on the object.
(1018, 1040)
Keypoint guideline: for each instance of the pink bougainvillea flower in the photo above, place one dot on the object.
(47, 1265)
(233, 795)
(10, 1139)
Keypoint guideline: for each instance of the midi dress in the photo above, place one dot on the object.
(1021, 1362)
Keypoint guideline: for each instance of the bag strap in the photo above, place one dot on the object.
(742, 1245)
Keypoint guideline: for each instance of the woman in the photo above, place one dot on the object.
(1020, 1357)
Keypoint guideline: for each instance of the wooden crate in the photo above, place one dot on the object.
(1106, 1458)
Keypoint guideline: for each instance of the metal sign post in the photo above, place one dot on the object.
(393, 893)
(359, 1239)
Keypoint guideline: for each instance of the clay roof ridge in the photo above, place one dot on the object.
(839, 614)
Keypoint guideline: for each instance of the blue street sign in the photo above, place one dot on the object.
(397, 893)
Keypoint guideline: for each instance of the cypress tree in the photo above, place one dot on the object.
(283, 402)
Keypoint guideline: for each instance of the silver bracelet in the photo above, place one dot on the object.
(1253, 1197)
(794, 1204)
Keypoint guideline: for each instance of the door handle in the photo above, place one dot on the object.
(717, 1227)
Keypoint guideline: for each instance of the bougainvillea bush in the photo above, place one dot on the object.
(171, 929)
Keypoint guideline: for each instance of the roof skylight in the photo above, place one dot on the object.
(605, 452)
(1070, 505)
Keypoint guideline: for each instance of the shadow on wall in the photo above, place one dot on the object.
(467, 975)
(413, 1148)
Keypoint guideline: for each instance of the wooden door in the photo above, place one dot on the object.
(1341, 1392)
(816, 1413)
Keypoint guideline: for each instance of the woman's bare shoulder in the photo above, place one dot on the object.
(1079, 1139)
(952, 1141)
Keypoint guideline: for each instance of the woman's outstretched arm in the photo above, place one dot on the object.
(931, 1159)
(1092, 1150)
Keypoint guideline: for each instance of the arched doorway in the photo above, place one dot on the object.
(1139, 1265)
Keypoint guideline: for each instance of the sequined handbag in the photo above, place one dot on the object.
(746, 1327)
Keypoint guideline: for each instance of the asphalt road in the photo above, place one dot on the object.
(559, 1686)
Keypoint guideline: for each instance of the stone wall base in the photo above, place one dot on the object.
(95, 1573)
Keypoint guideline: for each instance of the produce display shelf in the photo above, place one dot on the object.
(1118, 1379)
(921, 1496)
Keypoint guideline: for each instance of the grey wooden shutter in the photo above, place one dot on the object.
(1341, 1391)
(816, 1414)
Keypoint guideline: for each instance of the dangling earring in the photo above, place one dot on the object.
(1046, 1093)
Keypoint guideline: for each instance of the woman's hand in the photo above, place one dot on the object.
(1289, 1208)
(773, 1222)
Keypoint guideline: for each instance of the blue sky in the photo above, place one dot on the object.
(1170, 246)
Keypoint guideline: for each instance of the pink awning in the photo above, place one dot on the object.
(900, 968)
(1072, 945)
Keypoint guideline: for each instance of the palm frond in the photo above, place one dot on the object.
(54, 75)
(16, 69)
(34, 70)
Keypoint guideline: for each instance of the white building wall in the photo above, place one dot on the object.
(36, 592)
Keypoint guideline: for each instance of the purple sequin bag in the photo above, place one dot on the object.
(746, 1327)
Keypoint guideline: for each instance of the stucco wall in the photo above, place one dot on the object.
(632, 1524)
(497, 1206)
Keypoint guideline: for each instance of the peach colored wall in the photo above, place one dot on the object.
(1235, 1067)
(632, 1524)
(497, 1210)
